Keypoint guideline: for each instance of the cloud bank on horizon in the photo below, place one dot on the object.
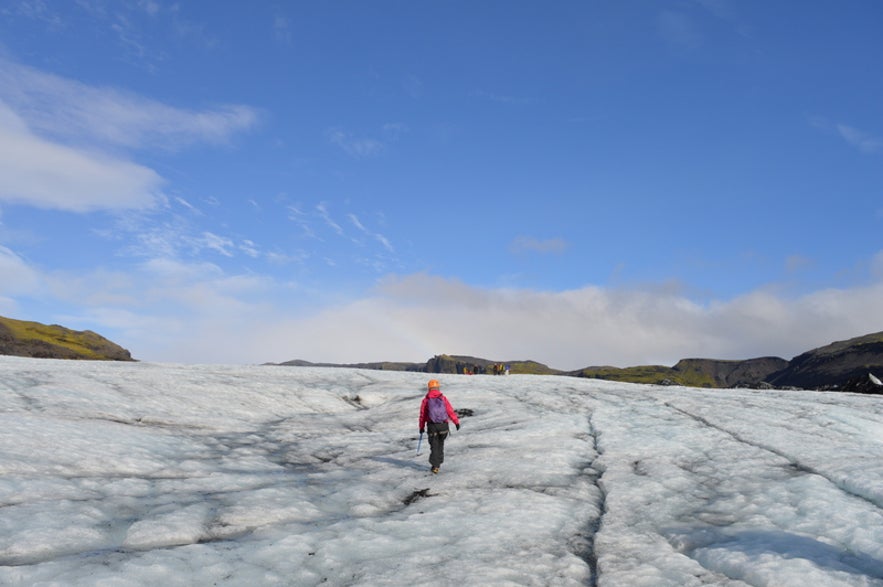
(578, 185)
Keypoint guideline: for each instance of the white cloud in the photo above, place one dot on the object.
(55, 134)
(69, 109)
(16, 276)
(172, 271)
(419, 316)
(39, 173)
(196, 312)
(167, 309)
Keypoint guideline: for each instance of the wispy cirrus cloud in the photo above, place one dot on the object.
(340, 242)
(864, 141)
(35, 10)
(374, 235)
(861, 140)
(176, 236)
(125, 21)
(359, 147)
(364, 147)
(325, 215)
(219, 244)
(301, 219)
(685, 25)
(78, 113)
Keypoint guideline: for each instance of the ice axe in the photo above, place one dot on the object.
(419, 442)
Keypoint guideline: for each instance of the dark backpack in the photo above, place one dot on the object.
(436, 409)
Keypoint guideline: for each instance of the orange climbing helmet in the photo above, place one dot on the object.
(433, 384)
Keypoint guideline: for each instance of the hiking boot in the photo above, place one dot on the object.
(435, 470)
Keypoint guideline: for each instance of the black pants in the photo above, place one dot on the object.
(437, 434)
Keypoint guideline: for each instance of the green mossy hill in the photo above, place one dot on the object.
(693, 372)
(531, 368)
(32, 339)
(718, 373)
(649, 374)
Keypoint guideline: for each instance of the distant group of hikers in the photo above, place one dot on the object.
(470, 369)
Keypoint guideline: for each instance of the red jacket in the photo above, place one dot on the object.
(424, 409)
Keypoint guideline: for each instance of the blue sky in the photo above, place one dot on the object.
(578, 183)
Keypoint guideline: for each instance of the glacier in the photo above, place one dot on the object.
(130, 474)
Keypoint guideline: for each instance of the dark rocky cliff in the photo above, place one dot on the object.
(834, 365)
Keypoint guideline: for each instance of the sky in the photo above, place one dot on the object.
(580, 184)
(182, 474)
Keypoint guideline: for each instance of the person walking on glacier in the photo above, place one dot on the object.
(435, 413)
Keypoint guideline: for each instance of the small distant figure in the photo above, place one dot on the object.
(435, 413)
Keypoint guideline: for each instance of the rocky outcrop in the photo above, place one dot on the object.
(32, 339)
(868, 384)
(475, 366)
(850, 365)
(378, 366)
(834, 365)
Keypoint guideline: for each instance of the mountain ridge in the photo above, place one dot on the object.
(847, 365)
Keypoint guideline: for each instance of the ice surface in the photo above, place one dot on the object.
(150, 474)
